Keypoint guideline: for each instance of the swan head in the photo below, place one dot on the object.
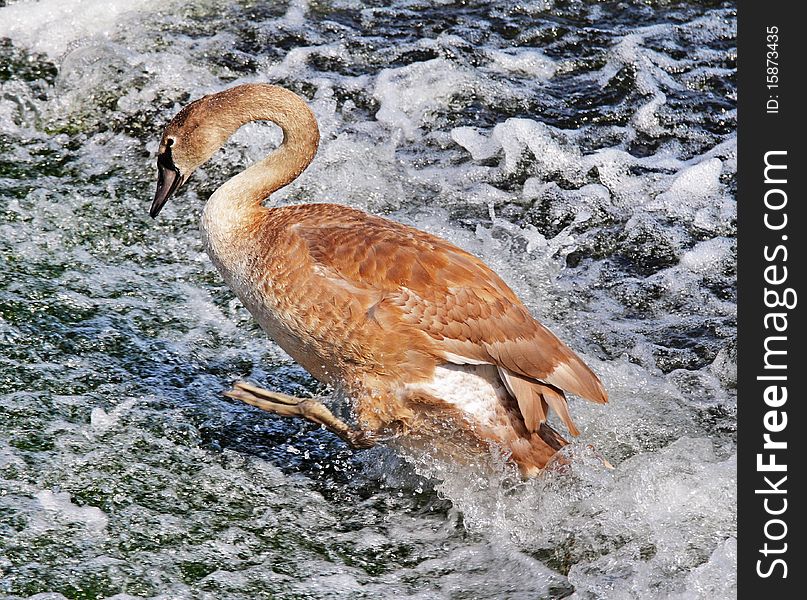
(203, 126)
(189, 140)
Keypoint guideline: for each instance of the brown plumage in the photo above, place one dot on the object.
(418, 332)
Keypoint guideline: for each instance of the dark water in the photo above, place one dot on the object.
(584, 150)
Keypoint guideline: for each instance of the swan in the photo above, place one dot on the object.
(426, 340)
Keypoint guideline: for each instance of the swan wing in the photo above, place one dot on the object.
(466, 309)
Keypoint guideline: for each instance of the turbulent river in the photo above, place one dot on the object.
(585, 150)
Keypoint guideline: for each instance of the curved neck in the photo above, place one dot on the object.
(231, 213)
(263, 102)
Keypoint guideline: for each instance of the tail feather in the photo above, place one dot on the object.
(557, 401)
(551, 437)
(574, 376)
(535, 398)
(532, 406)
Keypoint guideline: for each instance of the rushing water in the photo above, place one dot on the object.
(586, 150)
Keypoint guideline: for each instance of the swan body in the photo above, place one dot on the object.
(421, 335)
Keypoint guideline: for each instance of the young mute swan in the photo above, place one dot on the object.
(424, 338)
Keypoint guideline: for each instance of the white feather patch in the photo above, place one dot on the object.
(475, 389)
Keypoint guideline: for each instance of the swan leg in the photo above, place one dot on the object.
(306, 408)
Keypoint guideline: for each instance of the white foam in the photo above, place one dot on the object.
(101, 420)
(295, 13)
(676, 503)
(480, 146)
(709, 255)
(409, 94)
(698, 181)
(646, 118)
(695, 196)
(524, 62)
(463, 573)
(60, 503)
(52, 26)
(716, 578)
(547, 150)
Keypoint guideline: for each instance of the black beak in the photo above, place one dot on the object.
(168, 181)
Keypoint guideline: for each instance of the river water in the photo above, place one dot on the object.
(585, 150)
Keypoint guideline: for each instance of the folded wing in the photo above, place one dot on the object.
(471, 315)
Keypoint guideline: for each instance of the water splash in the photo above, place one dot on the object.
(584, 150)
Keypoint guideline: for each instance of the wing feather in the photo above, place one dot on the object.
(469, 313)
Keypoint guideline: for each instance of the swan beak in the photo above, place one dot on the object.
(168, 181)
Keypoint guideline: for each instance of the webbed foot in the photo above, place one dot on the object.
(306, 408)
